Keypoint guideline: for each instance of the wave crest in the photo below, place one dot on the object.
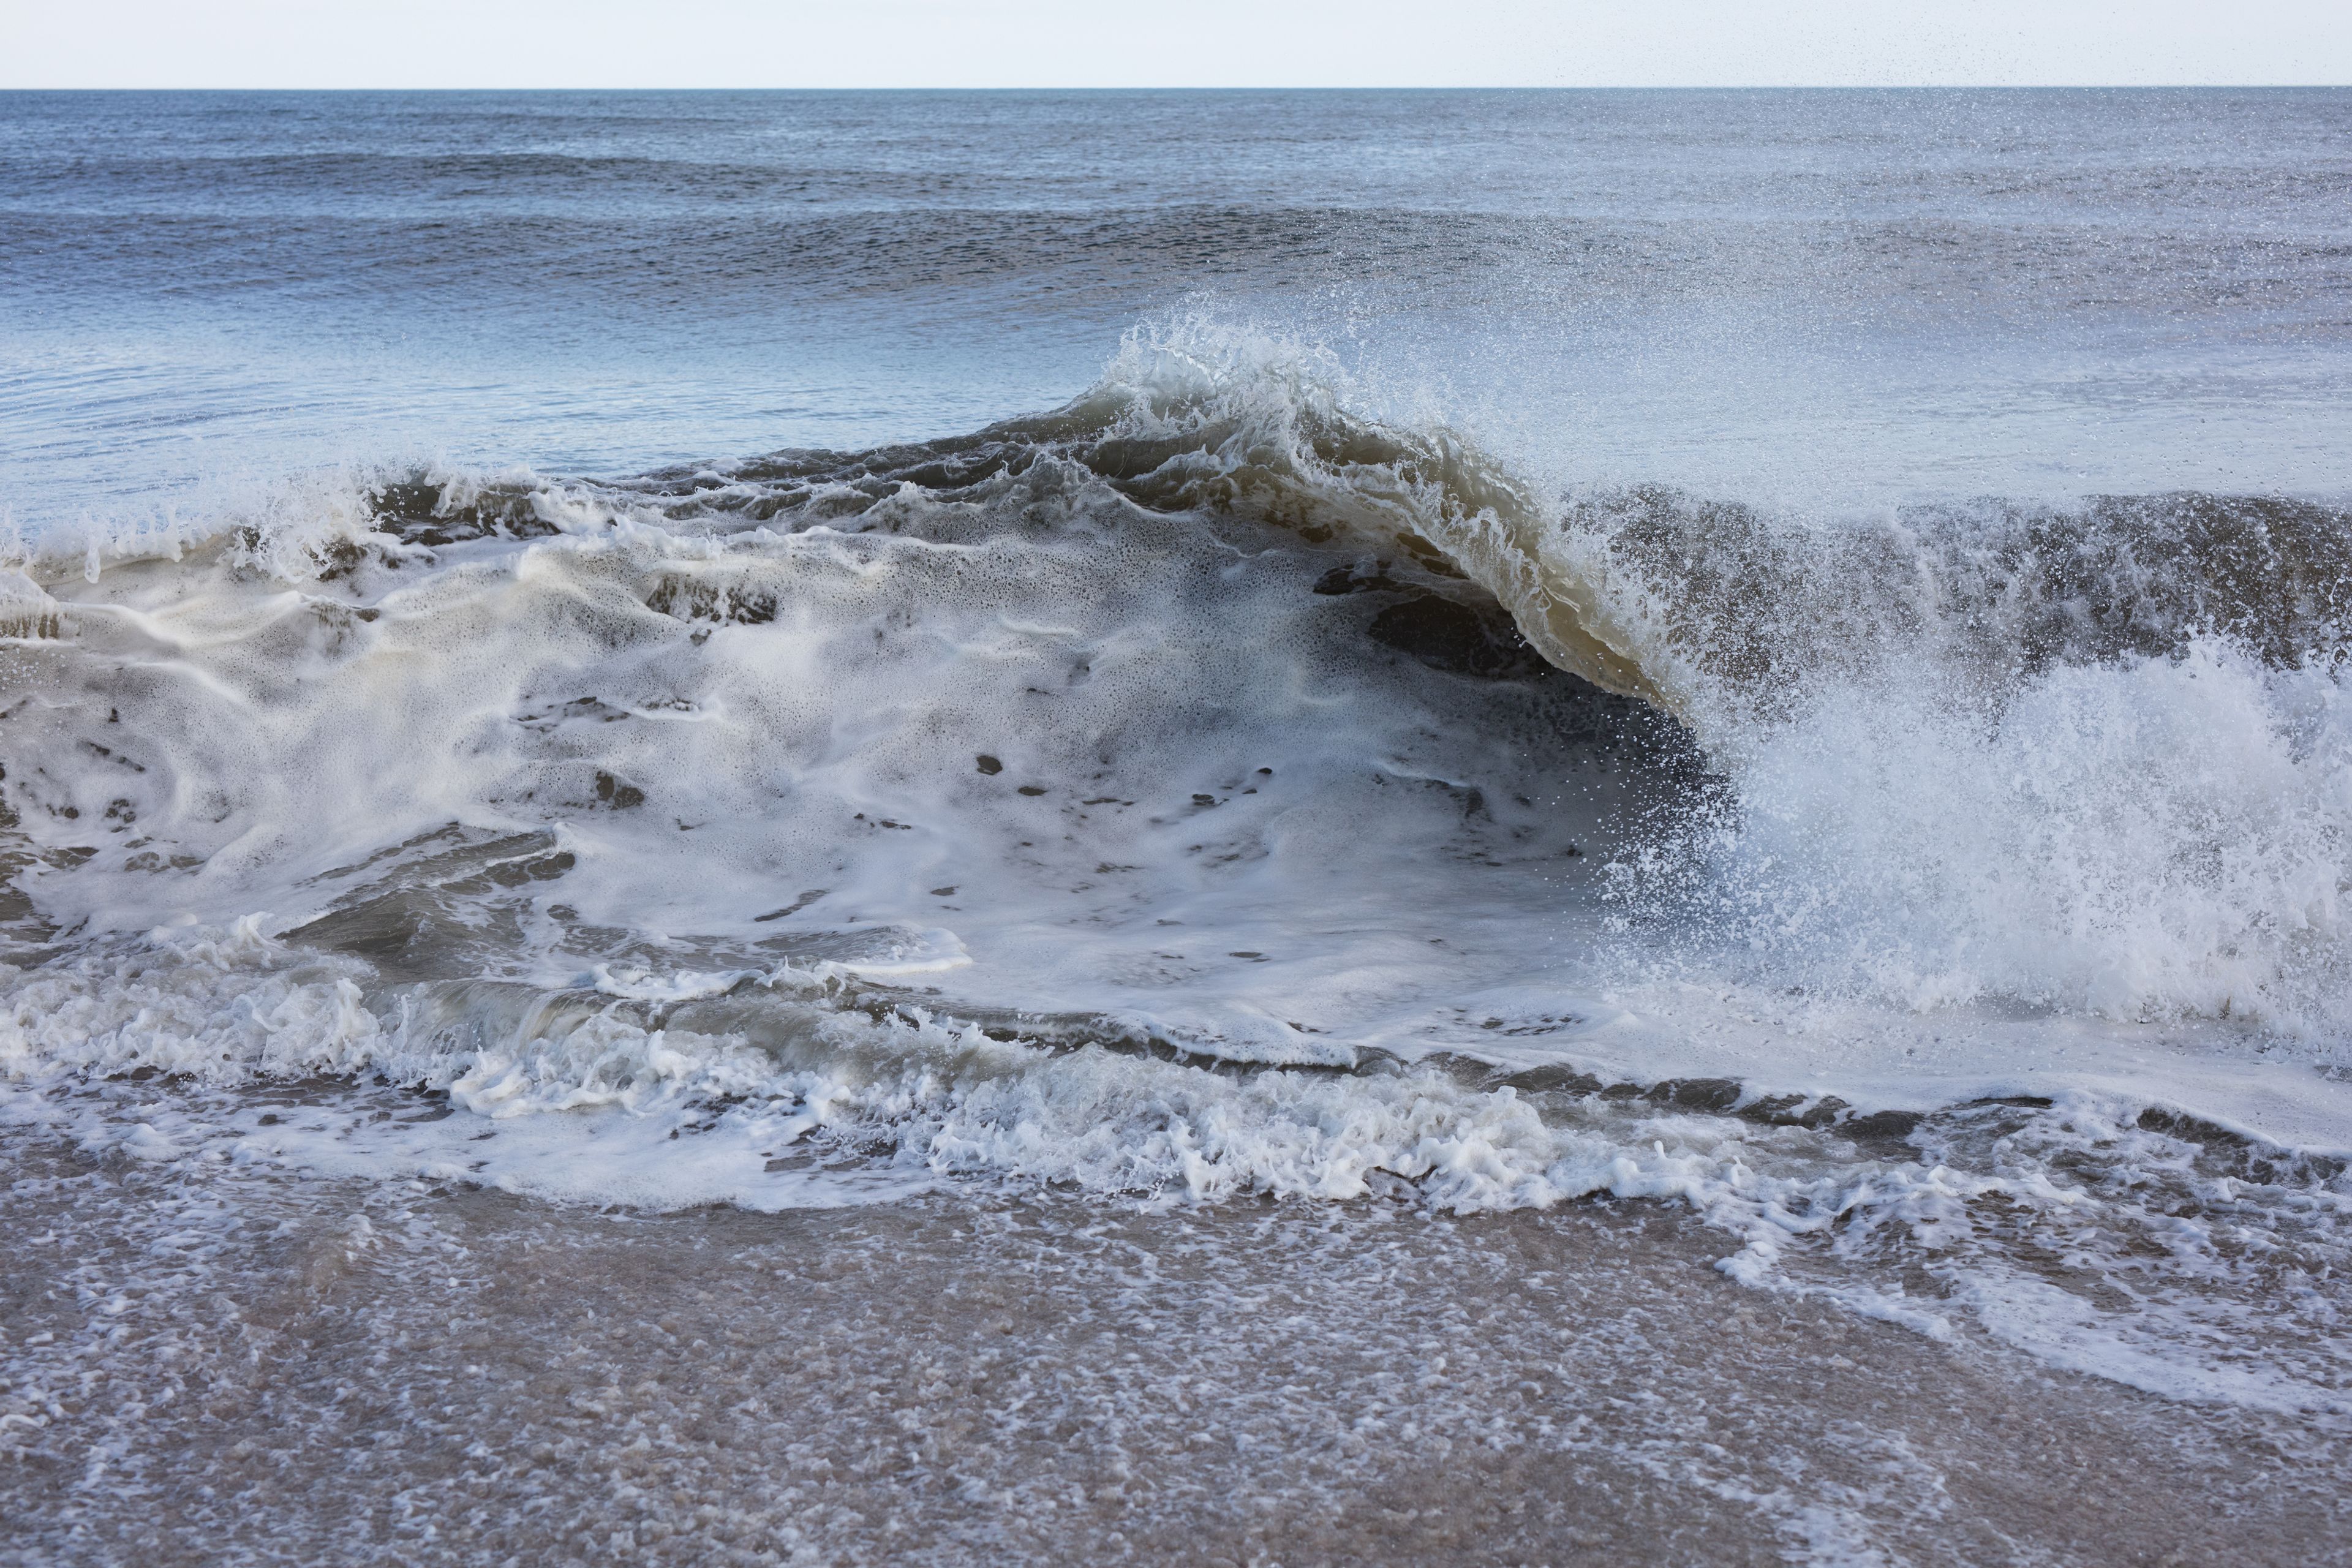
(2093, 758)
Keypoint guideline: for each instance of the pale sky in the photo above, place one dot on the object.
(1166, 43)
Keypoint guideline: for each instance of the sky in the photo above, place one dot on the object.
(1168, 43)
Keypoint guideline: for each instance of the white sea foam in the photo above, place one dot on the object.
(815, 830)
(812, 1101)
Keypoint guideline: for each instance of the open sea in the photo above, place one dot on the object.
(1249, 827)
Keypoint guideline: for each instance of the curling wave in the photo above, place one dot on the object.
(2093, 759)
(1207, 789)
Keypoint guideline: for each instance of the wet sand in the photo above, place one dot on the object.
(221, 1366)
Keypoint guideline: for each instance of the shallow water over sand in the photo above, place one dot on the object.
(221, 1366)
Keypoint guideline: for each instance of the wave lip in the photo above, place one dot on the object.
(26, 611)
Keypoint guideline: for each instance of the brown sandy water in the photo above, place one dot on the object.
(206, 1364)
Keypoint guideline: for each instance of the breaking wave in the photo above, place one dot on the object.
(1208, 789)
(2092, 758)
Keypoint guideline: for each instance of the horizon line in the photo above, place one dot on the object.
(1275, 87)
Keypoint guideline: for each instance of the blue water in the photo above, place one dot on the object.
(1834, 296)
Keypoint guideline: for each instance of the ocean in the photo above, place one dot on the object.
(1251, 827)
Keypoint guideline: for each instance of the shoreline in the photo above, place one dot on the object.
(249, 1366)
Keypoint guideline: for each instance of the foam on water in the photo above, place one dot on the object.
(1204, 790)
(2094, 1232)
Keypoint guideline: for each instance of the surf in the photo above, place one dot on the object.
(1208, 789)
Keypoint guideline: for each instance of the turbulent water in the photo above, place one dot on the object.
(1777, 656)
